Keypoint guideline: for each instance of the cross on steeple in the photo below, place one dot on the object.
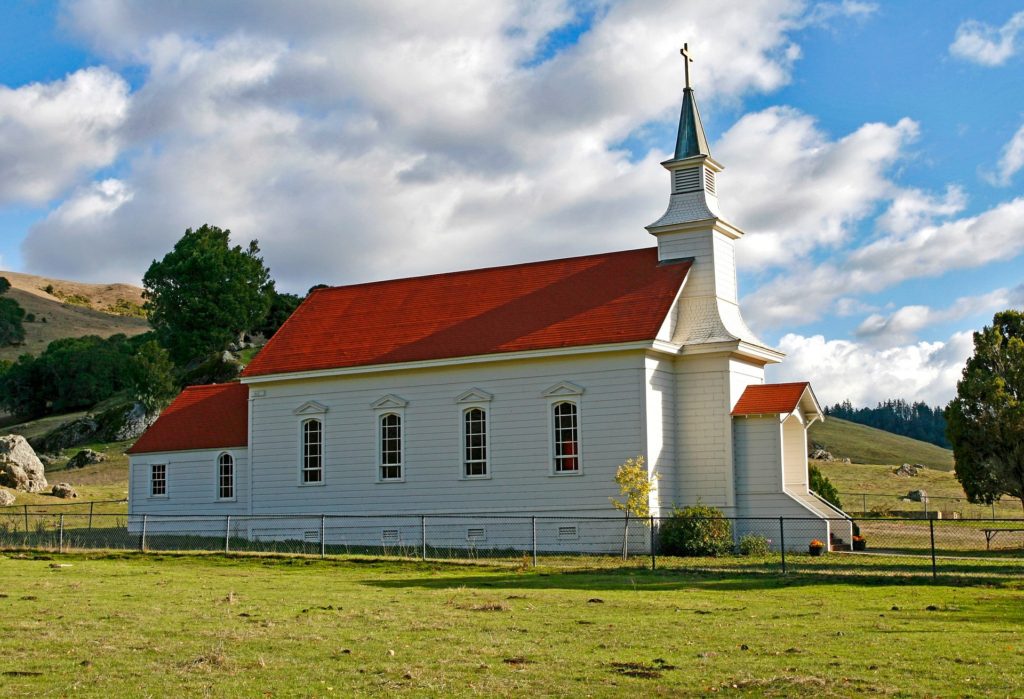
(687, 60)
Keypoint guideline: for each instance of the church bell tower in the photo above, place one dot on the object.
(693, 228)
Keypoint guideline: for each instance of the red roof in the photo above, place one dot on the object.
(201, 417)
(598, 299)
(772, 398)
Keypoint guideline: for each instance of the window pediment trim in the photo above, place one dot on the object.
(564, 388)
(474, 395)
(389, 402)
(310, 407)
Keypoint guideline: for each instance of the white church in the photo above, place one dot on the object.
(509, 390)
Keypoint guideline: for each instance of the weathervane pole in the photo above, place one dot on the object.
(687, 60)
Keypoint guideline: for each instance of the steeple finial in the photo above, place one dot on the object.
(687, 60)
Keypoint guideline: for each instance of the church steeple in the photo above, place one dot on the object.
(690, 140)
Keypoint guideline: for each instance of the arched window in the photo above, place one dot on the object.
(566, 435)
(390, 447)
(312, 451)
(474, 439)
(226, 477)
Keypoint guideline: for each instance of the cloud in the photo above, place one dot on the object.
(929, 251)
(914, 208)
(842, 369)
(985, 44)
(902, 326)
(53, 134)
(368, 140)
(794, 188)
(1011, 161)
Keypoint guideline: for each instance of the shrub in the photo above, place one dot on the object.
(754, 545)
(821, 485)
(698, 530)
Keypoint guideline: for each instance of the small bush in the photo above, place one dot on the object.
(821, 485)
(754, 545)
(698, 530)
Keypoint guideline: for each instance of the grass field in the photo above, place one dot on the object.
(218, 626)
(867, 445)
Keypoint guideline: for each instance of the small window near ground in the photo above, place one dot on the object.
(390, 447)
(158, 479)
(312, 452)
(226, 477)
(567, 444)
(475, 441)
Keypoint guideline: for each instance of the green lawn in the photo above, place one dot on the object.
(134, 625)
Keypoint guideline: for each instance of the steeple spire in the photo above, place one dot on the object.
(690, 140)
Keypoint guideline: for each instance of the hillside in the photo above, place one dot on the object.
(867, 445)
(72, 309)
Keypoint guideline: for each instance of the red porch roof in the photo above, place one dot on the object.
(772, 398)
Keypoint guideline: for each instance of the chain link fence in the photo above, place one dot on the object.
(923, 506)
(865, 546)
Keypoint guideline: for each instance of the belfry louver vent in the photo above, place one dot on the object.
(685, 181)
(709, 181)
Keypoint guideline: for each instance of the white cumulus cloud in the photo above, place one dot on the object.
(985, 44)
(843, 369)
(1011, 160)
(52, 134)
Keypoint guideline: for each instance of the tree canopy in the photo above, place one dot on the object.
(12, 331)
(204, 293)
(986, 419)
(916, 420)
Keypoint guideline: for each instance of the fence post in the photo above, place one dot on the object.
(323, 540)
(26, 519)
(227, 533)
(60, 540)
(931, 529)
(864, 503)
(782, 542)
(654, 554)
(142, 541)
(533, 522)
(423, 537)
(91, 503)
(993, 511)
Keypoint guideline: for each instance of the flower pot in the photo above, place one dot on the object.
(860, 545)
(815, 550)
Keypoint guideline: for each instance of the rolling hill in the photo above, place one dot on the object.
(72, 309)
(868, 445)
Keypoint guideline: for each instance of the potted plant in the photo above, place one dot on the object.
(859, 542)
(816, 547)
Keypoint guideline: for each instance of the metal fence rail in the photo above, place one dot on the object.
(879, 546)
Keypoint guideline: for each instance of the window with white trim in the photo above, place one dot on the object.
(312, 451)
(226, 477)
(565, 421)
(474, 441)
(390, 447)
(158, 480)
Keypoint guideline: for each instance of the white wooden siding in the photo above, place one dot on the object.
(758, 451)
(660, 390)
(703, 432)
(610, 421)
(191, 483)
(794, 454)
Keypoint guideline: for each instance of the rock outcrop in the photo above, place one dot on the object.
(117, 424)
(917, 496)
(6, 498)
(908, 470)
(20, 468)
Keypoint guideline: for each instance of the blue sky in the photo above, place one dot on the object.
(872, 150)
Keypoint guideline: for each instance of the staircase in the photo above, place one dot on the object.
(837, 543)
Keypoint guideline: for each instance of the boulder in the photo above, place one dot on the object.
(6, 498)
(917, 496)
(907, 470)
(124, 422)
(86, 457)
(64, 490)
(846, 460)
(20, 468)
(822, 455)
(47, 459)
